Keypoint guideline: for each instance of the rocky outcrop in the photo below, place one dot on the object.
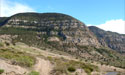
(112, 40)
(60, 26)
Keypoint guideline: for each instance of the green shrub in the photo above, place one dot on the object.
(1, 71)
(65, 66)
(34, 73)
(50, 58)
(71, 69)
(88, 68)
(88, 71)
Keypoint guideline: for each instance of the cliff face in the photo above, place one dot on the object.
(52, 25)
(112, 40)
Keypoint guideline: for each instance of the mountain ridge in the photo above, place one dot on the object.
(110, 39)
(53, 23)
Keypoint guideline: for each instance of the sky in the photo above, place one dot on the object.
(105, 14)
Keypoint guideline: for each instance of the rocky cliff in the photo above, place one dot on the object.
(112, 40)
(59, 28)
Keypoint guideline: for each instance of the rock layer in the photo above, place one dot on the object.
(54, 24)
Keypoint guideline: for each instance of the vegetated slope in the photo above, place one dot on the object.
(112, 40)
(59, 32)
(54, 30)
(21, 59)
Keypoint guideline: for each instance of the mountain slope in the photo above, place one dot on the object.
(59, 33)
(15, 60)
(112, 40)
(54, 30)
(55, 24)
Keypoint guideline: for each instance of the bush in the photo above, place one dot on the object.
(1, 71)
(71, 69)
(34, 73)
(50, 58)
(88, 68)
(88, 71)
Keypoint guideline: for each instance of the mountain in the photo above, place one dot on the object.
(55, 33)
(109, 39)
(60, 31)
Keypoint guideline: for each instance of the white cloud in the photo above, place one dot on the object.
(113, 25)
(8, 8)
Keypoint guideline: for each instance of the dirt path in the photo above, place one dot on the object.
(43, 66)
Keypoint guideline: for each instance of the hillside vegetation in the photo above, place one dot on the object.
(55, 44)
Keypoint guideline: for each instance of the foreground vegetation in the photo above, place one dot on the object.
(63, 66)
(20, 55)
(32, 38)
(17, 58)
(34, 73)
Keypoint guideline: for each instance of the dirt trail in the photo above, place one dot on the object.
(47, 53)
(43, 66)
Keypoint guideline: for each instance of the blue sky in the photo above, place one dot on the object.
(91, 12)
(88, 11)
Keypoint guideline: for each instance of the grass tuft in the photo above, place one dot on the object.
(34, 73)
(1, 71)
